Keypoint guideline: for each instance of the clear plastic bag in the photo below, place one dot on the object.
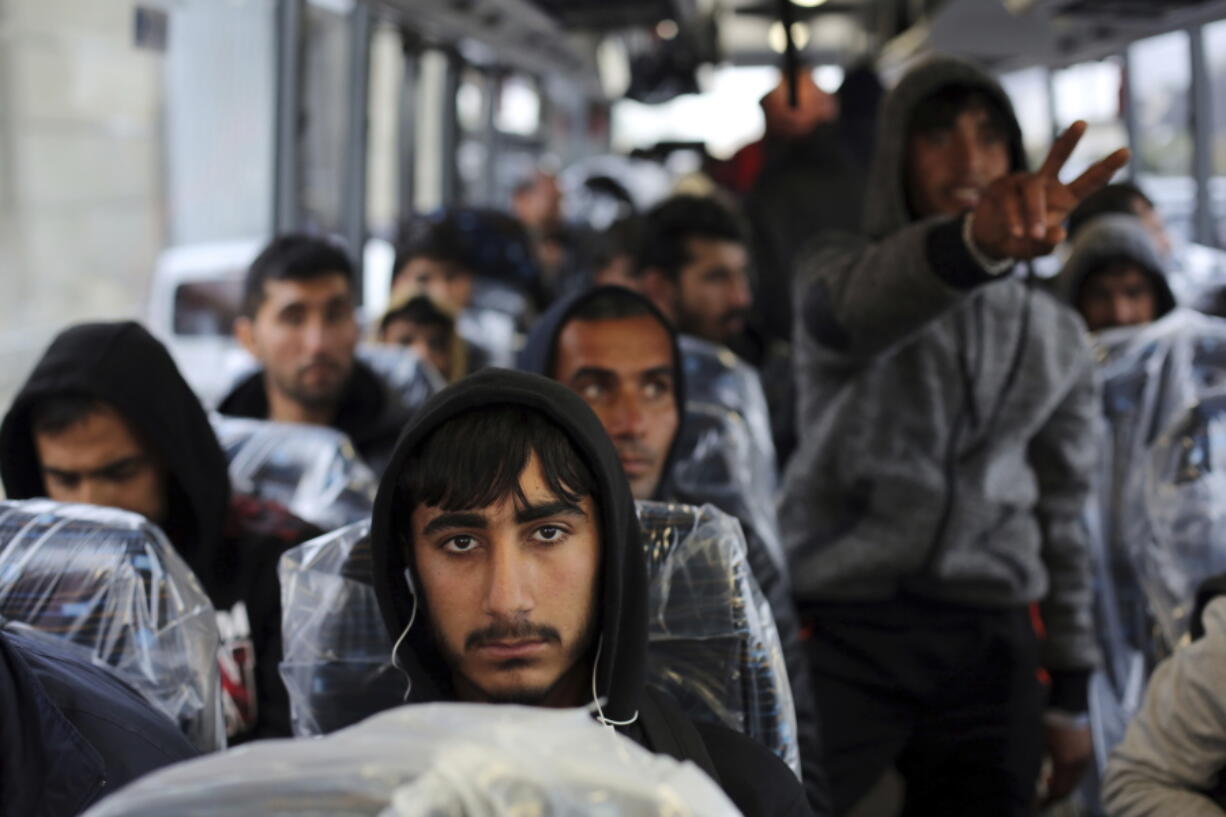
(434, 760)
(110, 582)
(712, 641)
(314, 471)
(414, 380)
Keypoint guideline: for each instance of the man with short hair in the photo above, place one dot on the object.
(614, 348)
(947, 452)
(693, 263)
(1121, 198)
(1114, 275)
(107, 419)
(299, 321)
(508, 567)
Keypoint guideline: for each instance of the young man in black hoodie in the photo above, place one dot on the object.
(508, 568)
(107, 419)
(618, 352)
(300, 322)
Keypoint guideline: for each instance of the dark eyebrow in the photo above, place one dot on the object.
(659, 371)
(104, 472)
(561, 507)
(594, 372)
(455, 519)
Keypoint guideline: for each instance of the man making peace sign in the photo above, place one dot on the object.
(947, 448)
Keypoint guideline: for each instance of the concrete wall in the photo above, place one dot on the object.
(80, 171)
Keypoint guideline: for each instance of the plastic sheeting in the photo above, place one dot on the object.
(109, 581)
(715, 376)
(716, 462)
(314, 471)
(410, 377)
(1185, 543)
(435, 760)
(712, 638)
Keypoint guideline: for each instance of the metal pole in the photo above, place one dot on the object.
(354, 220)
(1201, 114)
(406, 132)
(451, 131)
(286, 205)
(489, 127)
(1131, 127)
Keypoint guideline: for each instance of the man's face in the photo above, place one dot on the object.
(99, 461)
(949, 168)
(304, 335)
(712, 296)
(1118, 296)
(444, 282)
(624, 370)
(428, 342)
(512, 593)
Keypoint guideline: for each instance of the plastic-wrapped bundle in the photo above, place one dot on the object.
(1182, 537)
(109, 581)
(715, 376)
(712, 638)
(314, 471)
(434, 760)
(715, 462)
(414, 380)
(712, 642)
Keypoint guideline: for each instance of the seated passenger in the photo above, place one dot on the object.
(421, 324)
(693, 263)
(1114, 275)
(613, 348)
(299, 321)
(433, 260)
(947, 417)
(509, 569)
(72, 731)
(1173, 756)
(106, 419)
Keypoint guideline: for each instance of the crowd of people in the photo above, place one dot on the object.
(911, 450)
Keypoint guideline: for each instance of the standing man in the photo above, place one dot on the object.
(947, 451)
(299, 321)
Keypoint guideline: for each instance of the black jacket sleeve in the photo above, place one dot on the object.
(757, 782)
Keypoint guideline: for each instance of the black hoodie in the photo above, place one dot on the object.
(370, 413)
(753, 777)
(232, 545)
(538, 356)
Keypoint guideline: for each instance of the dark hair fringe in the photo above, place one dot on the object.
(668, 227)
(612, 304)
(419, 310)
(57, 413)
(476, 458)
(940, 109)
(293, 257)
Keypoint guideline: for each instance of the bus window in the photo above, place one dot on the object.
(1090, 91)
(1215, 53)
(387, 75)
(326, 63)
(1161, 85)
(1029, 90)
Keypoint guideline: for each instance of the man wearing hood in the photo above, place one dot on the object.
(947, 450)
(618, 352)
(1114, 275)
(106, 419)
(299, 321)
(508, 569)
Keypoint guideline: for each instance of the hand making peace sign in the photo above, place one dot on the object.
(1020, 215)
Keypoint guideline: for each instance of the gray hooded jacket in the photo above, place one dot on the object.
(1108, 238)
(947, 418)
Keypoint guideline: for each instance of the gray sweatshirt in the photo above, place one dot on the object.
(947, 417)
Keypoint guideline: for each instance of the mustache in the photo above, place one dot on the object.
(633, 449)
(322, 360)
(734, 315)
(511, 631)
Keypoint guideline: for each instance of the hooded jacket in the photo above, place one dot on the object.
(1108, 238)
(753, 777)
(72, 732)
(231, 543)
(538, 357)
(948, 417)
(370, 413)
